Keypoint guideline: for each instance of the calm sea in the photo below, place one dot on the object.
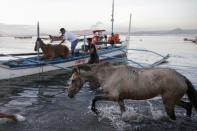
(40, 99)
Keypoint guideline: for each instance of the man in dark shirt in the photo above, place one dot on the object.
(94, 58)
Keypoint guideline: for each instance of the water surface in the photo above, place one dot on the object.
(43, 100)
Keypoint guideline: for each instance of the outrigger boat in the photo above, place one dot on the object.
(33, 64)
(23, 37)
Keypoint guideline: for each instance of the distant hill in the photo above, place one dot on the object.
(30, 30)
(166, 32)
(17, 30)
(177, 31)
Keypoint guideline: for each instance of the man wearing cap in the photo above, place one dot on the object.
(70, 37)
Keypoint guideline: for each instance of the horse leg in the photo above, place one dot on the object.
(122, 106)
(169, 107)
(187, 106)
(170, 111)
(97, 98)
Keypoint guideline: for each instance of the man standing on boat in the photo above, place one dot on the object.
(94, 58)
(70, 37)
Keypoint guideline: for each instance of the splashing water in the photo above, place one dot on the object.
(118, 120)
(20, 117)
(156, 114)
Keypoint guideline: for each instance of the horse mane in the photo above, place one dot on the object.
(102, 64)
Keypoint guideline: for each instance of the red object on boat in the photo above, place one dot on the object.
(115, 38)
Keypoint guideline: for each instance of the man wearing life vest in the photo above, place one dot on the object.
(114, 38)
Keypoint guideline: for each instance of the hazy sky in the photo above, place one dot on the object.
(82, 14)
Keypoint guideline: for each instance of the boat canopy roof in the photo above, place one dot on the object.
(94, 31)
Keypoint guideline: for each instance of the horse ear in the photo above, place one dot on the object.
(85, 67)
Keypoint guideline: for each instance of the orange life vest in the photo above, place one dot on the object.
(114, 38)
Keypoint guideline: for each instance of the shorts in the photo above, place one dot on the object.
(73, 45)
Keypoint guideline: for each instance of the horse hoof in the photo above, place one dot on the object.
(173, 118)
(95, 110)
(189, 111)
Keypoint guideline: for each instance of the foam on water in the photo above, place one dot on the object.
(118, 120)
(113, 114)
(20, 117)
(29, 93)
(156, 114)
(132, 116)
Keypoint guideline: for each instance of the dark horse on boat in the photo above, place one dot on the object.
(51, 51)
(119, 81)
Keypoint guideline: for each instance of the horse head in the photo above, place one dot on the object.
(75, 83)
(78, 78)
(38, 44)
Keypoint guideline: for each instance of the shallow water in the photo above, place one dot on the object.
(43, 100)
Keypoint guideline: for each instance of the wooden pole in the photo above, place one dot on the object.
(38, 36)
(129, 31)
(112, 20)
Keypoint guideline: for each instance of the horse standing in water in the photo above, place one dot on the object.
(51, 51)
(119, 82)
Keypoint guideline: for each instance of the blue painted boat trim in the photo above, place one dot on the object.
(33, 61)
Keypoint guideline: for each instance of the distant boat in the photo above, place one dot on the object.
(194, 40)
(23, 37)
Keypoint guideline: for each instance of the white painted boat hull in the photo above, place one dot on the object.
(8, 73)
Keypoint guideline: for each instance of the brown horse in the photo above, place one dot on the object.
(51, 51)
(119, 82)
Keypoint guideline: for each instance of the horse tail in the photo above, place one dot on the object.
(192, 93)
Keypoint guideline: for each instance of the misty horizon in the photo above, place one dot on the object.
(83, 14)
(30, 30)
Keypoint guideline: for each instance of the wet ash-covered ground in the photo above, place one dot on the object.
(43, 100)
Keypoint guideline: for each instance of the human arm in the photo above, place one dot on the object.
(64, 38)
(62, 42)
(55, 38)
